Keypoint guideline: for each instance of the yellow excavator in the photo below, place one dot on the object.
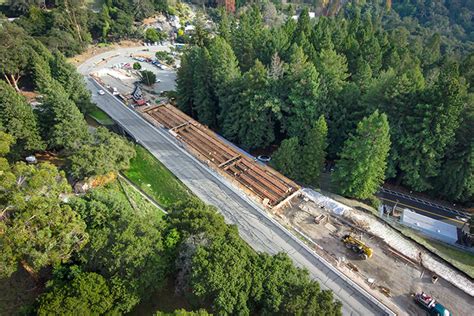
(364, 251)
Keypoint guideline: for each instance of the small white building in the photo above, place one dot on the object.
(312, 15)
(189, 28)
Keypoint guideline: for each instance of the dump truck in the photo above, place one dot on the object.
(357, 246)
(430, 305)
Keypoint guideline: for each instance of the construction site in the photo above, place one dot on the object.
(373, 255)
(390, 269)
(269, 187)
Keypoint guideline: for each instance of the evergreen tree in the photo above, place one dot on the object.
(200, 35)
(62, 123)
(222, 271)
(71, 80)
(126, 247)
(14, 53)
(276, 41)
(225, 73)
(344, 116)
(456, 179)
(429, 127)
(333, 69)
(41, 72)
(250, 121)
(314, 152)
(300, 105)
(363, 75)
(333, 73)
(287, 158)
(185, 81)
(396, 95)
(302, 34)
(432, 50)
(303, 26)
(361, 169)
(246, 37)
(320, 36)
(105, 22)
(18, 119)
(223, 28)
(203, 91)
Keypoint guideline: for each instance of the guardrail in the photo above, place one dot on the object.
(424, 202)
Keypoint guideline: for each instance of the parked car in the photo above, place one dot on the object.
(264, 158)
(101, 92)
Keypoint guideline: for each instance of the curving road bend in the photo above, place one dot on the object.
(256, 227)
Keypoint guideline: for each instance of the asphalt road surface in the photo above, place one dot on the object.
(423, 207)
(122, 55)
(255, 226)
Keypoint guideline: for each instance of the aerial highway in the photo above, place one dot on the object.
(256, 227)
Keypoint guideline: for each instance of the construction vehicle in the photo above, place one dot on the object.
(429, 304)
(357, 246)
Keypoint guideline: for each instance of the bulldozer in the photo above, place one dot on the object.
(357, 246)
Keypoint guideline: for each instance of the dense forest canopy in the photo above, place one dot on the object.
(258, 83)
(384, 89)
(99, 253)
(71, 25)
(451, 18)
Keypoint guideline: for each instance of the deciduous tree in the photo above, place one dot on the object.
(148, 77)
(37, 229)
(126, 248)
(106, 153)
(82, 293)
(14, 53)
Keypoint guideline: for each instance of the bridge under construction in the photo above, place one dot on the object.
(270, 187)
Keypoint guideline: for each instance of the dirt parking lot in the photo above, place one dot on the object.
(386, 268)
